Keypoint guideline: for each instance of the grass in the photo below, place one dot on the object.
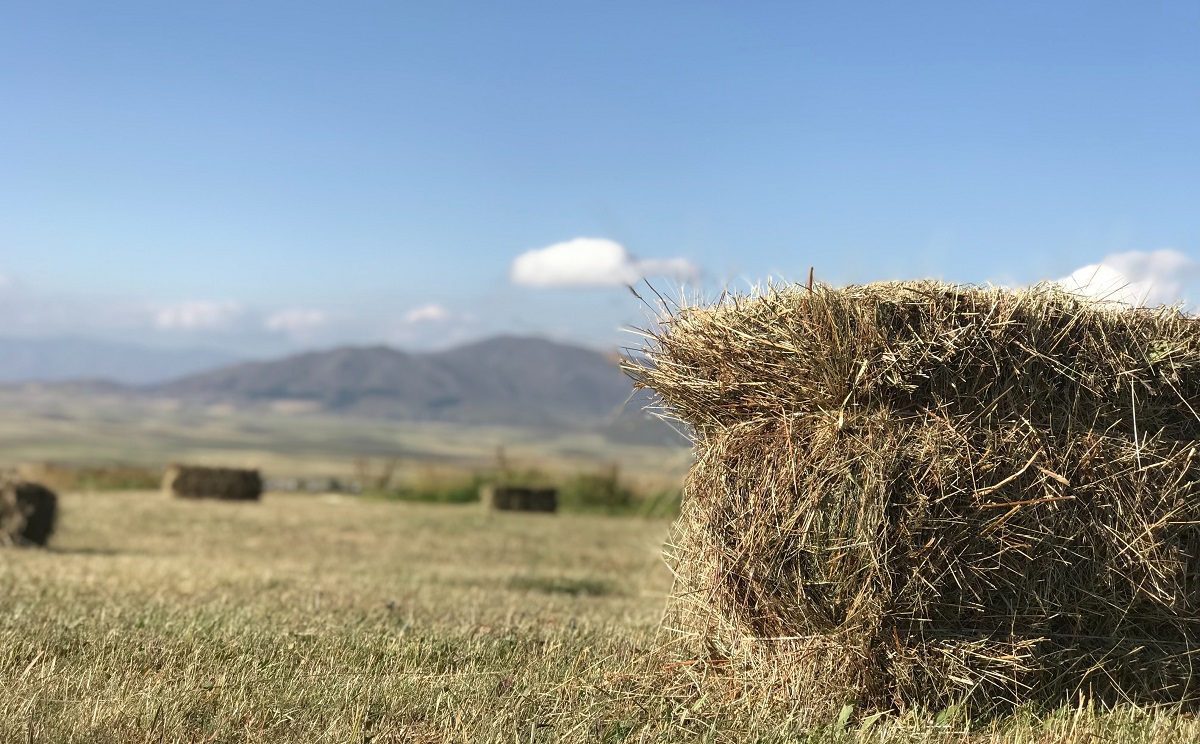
(590, 491)
(109, 477)
(339, 619)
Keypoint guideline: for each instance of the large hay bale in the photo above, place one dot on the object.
(518, 498)
(915, 494)
(27, 512)
(226, 484)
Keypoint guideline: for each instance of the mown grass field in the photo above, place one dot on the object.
(338, 619)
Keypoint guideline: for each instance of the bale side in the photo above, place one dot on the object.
(28, 512)
(519, 498)
(226, 484)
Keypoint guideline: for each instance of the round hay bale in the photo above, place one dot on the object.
(27, 513)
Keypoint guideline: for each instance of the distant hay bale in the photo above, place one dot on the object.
(226, 484)
(27, 512)
(916, 494)
(518, 498)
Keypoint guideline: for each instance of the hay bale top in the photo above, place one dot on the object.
(913, 347)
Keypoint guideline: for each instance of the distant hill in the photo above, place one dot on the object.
(505, 380)
(67, 358)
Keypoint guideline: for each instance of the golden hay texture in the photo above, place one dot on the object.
(27, 512)
(227, 484)
(518, 498)
(917, 494)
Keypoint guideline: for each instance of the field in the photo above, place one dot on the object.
(87, 427)
(337, 619)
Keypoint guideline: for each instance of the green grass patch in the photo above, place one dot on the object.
(588, 492)
(586, 587)
(460, 491)
(113, 477)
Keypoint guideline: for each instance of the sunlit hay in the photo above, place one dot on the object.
(27, 512)
(226, 484)
(518, 498)
(916, 494)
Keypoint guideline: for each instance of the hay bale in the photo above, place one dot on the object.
(916, 494)
(518, 498)
(226, 484)
(27, 512)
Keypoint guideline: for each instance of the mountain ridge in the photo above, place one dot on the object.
(516, 380)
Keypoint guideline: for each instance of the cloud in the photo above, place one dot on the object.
(592, 262)
(5, 282)
(1139, 278)
(295, 320)
(198, 315)
(426, 314)
(429, 327)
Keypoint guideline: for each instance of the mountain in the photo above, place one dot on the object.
(505, 380)
(67, 358)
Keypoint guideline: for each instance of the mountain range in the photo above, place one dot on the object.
(507, 380)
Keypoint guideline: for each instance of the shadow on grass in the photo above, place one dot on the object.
(85, 550)
(558, 585)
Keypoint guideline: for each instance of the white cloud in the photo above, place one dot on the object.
(592, 262)
(5, 282)
(429, 327)
(295, 320)
(426, 314)
(198, 315)
(1140, 278)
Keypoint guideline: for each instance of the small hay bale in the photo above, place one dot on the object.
(224, 484)
(27, 512)
(518, 498)
(916, 494)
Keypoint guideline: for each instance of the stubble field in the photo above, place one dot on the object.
(337, 619)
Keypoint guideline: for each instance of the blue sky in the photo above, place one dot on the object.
(267, 176)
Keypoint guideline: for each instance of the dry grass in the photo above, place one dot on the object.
(333, 619)
(921, 495)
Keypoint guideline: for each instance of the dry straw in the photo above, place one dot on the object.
(914, 495)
